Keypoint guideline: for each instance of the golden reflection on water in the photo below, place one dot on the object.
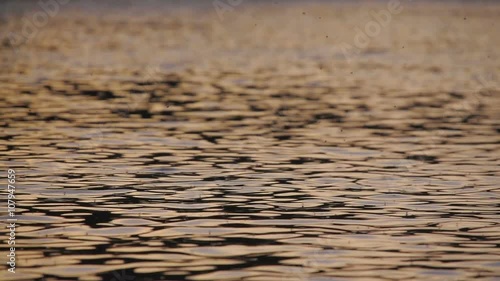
(279, 168)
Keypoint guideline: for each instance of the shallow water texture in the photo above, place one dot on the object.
(153, 143)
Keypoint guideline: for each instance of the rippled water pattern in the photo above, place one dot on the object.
(251, 174)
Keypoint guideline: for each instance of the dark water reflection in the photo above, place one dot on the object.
(239, 185)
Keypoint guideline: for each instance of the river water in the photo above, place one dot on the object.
(172, 143)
